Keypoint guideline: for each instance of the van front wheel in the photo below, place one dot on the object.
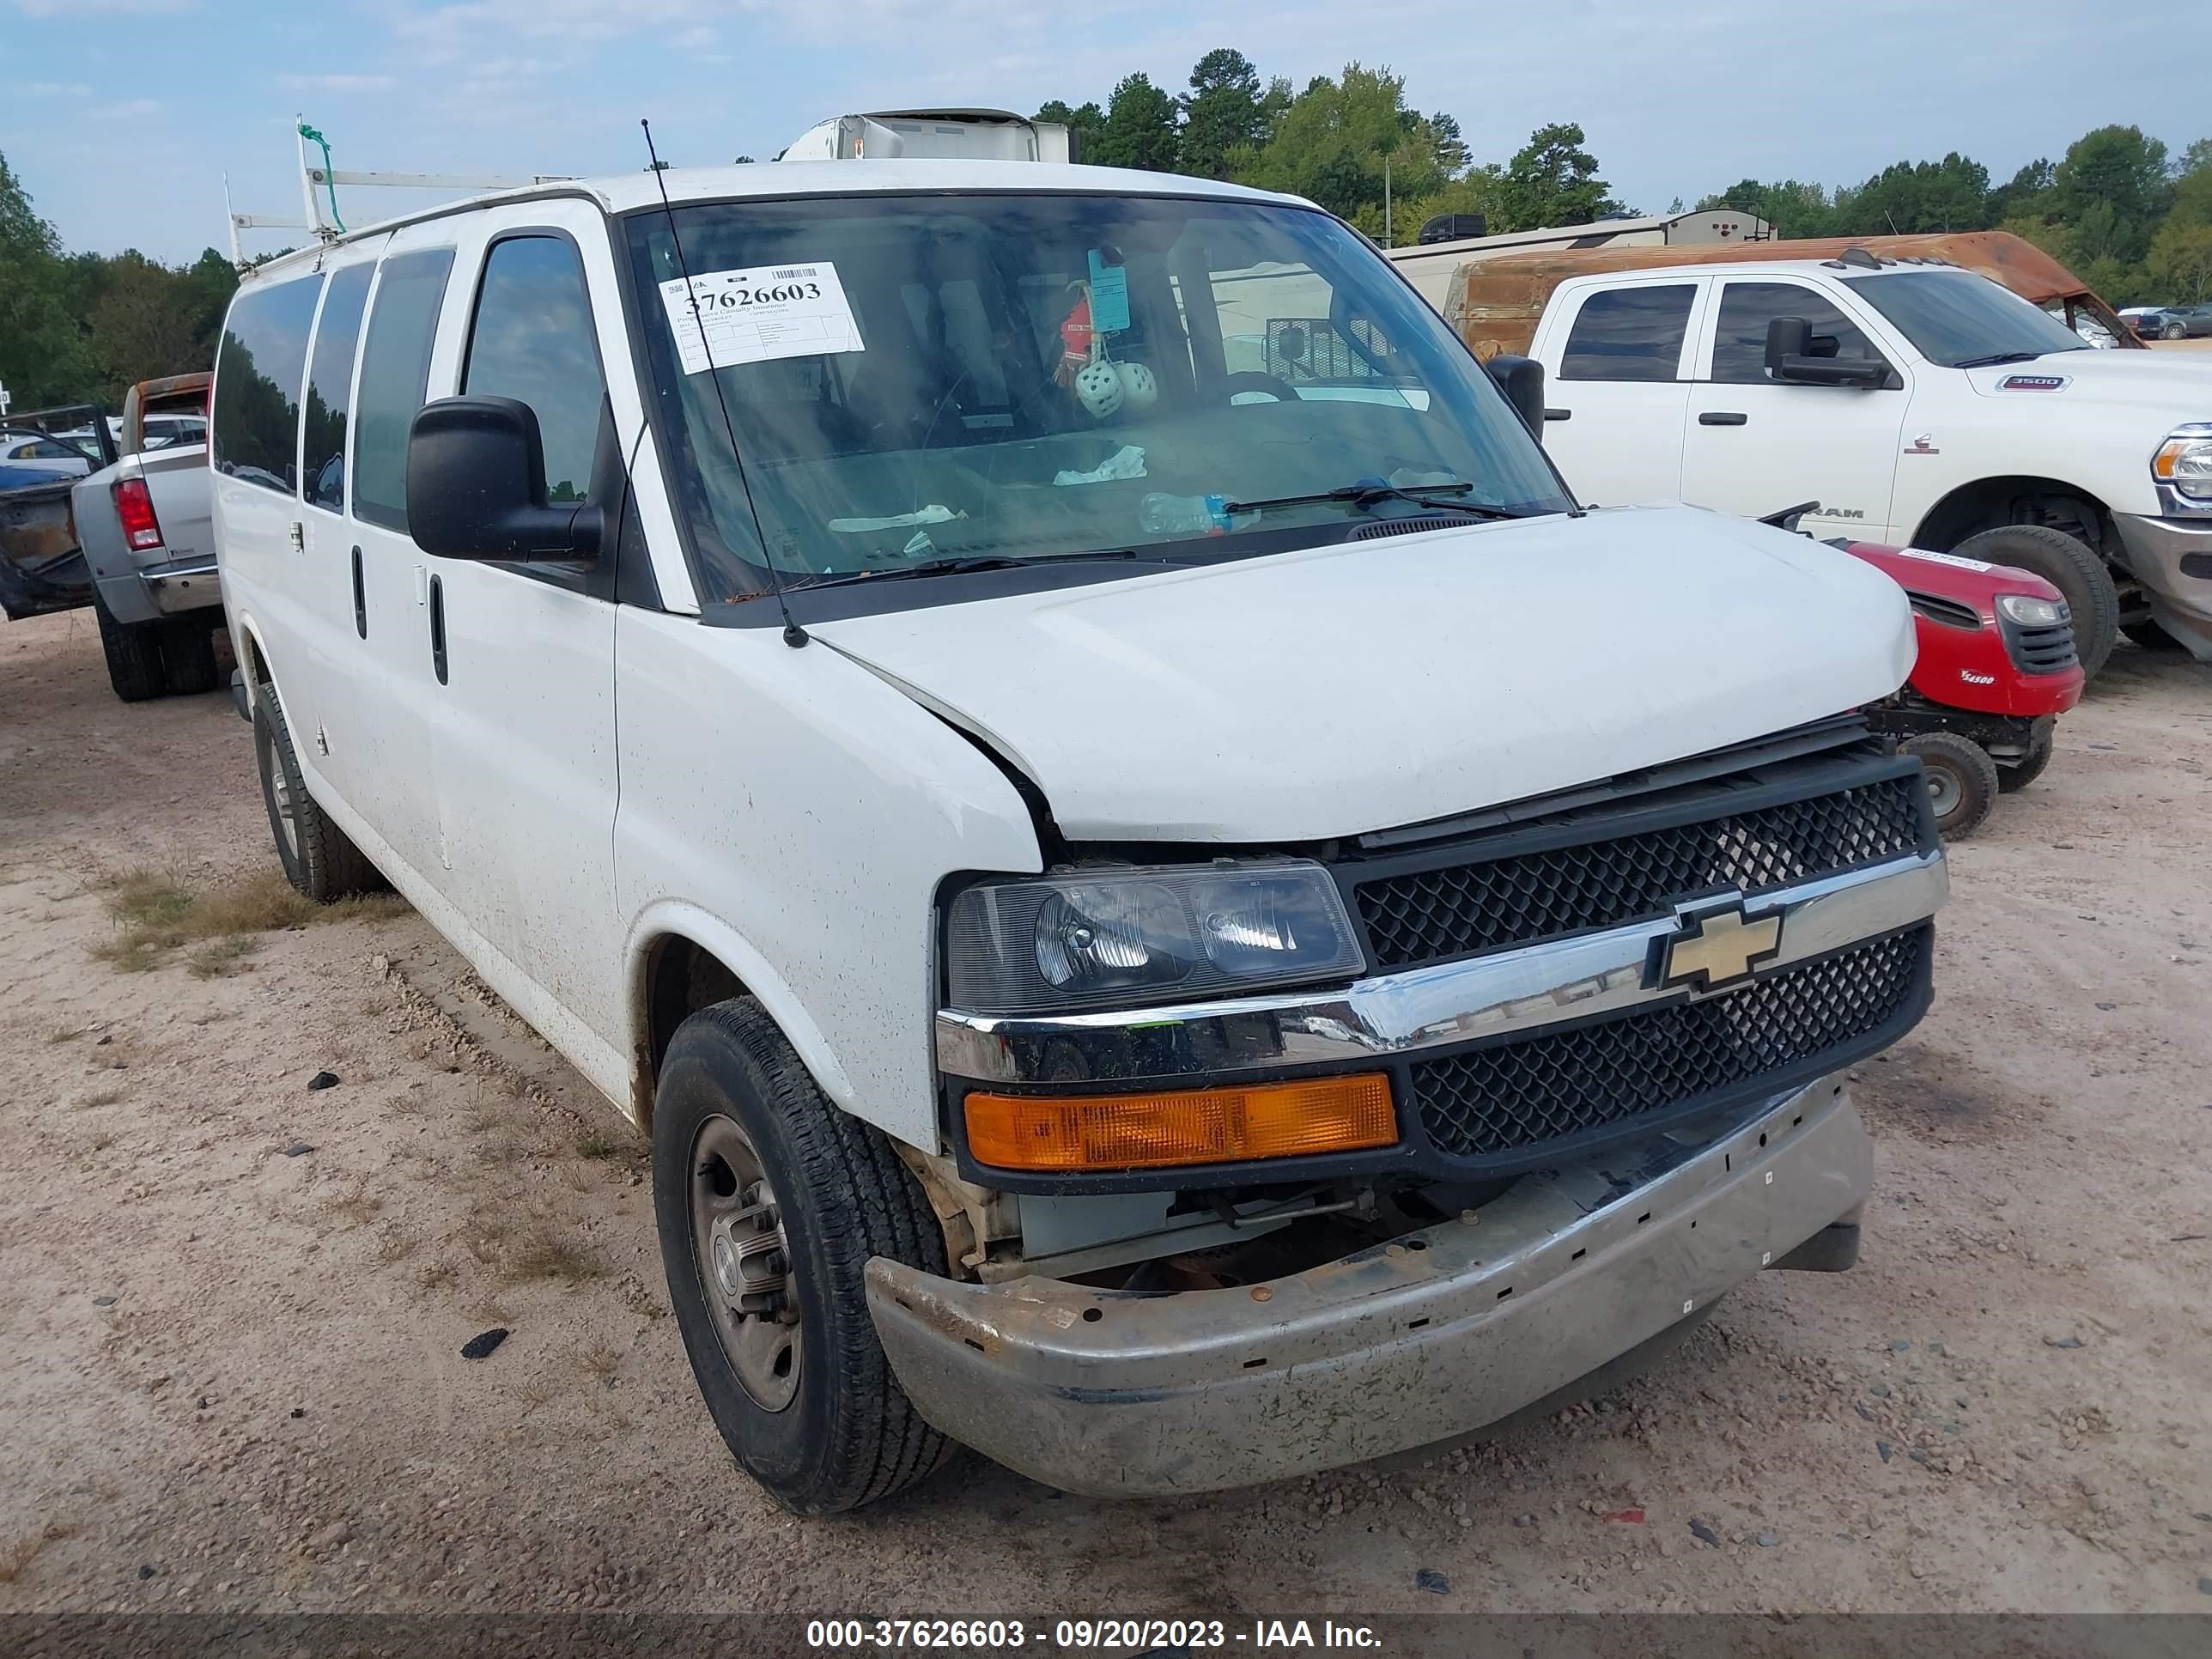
(770, 1202)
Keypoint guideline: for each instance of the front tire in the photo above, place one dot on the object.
(1962, 780)
(2029, 767)
(2069, 564)
(770, 1202)
(317, 857)
(2173, 331)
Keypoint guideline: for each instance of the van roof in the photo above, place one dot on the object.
(623, 193)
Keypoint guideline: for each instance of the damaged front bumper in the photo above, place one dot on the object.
(1435, 1335)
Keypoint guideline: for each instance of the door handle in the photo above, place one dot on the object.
(1722, 417)
(1558, 414)
(360, 598)
(438, 628)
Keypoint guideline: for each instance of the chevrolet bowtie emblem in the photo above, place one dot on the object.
(1716, 947)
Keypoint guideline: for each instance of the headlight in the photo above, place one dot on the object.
(2031, 612)
(1023, 946)
(2185, 461)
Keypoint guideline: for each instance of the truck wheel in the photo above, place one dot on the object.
(133, 651)
(1962, 780)
(2069, 564)
(2173, 331)
(770, 1201)
(2029, 767)
(317, 857)
(188, 651)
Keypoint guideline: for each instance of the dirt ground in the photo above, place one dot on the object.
(232, 1307)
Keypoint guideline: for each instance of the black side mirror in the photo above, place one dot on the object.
(475, 486)
(1522, 380)
(1789, 357)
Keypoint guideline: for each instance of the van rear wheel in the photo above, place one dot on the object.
(770, 1202)
(317, 857)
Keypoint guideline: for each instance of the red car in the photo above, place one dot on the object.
(1995, 670)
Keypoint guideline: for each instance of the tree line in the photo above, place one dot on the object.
(2132, 222)
(83, 327)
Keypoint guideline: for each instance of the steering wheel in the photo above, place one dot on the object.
(1252, 379)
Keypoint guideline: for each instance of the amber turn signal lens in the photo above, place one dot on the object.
(1193, 1126)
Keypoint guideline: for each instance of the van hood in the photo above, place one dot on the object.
(1366, 685)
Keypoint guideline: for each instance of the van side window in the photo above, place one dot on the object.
(1740, 342)
(395, 376)
(1629, 334)
(532, 340)
(258, 367)
(329, 388)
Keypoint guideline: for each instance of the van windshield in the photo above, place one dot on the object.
(933, 381)
(1964, 321)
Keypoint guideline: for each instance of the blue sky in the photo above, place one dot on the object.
(122, 116)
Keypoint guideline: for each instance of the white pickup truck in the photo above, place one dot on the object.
(1918, 403)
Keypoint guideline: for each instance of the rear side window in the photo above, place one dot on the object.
(532, 340)
(329, 388)
(258, 367)
(1629, 334)
(1740, 343)
(395, 376)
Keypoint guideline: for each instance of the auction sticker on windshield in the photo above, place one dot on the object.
(751, 316)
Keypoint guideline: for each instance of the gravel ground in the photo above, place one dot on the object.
(233, 1308)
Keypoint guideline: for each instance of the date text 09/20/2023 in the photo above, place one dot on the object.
(1135, 1636)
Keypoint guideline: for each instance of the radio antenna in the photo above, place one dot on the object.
(793, 635)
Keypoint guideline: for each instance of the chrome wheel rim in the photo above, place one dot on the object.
(281, 803)
(744, 1261)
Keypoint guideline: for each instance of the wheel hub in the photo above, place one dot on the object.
(744, 1264)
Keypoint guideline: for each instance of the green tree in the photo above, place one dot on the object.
(1083, 122)
(44, 358)
(1910, 197)
(149, 323)
(2115, 169)
(1140, 127)
(1335, 141)
(1553, 180)
(1221, 113)
(2181, 261)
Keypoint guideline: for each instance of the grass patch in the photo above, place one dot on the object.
(158, 911)
(597, 1145)
(437, 1276)
(544, 1254)
(600, 1359)
(394, 1247)
(62, 1033)
(357, 1207)
(105, 1097)
(20, 1554)
(102, 1141)
(221, 956)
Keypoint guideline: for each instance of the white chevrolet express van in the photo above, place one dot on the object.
(1174, 924)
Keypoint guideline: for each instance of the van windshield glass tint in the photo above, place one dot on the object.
(1961, 320)
(330, 387)
(918, 380)
(258, 367)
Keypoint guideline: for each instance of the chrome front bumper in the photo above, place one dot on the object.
(1444, 1332)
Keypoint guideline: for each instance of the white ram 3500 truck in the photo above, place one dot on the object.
(1175, 922)
(1919, 404)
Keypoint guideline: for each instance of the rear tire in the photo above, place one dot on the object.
(2069, 564)
(2030, 766)
(135, 667)
(188, 650)
(1962, 780)
(317, 857)
(2173, 331)
(747, 1149)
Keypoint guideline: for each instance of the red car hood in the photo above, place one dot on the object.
(1947, 576)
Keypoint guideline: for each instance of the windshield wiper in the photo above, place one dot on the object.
(1370, 492)
(1998, 357)
(968, 564)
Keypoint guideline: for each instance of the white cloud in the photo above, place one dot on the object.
(54, 89)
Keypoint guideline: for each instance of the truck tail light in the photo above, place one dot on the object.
(1191, 1125)
(134, 508)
